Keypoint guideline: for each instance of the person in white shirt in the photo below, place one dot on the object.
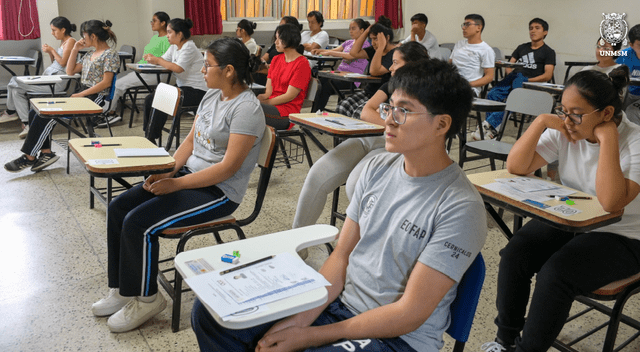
(315, 37)
(474, 58)
(244, 32)
(420, 34)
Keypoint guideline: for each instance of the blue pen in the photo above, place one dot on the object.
(534, 203)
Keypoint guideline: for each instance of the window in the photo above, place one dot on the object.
(233, 10)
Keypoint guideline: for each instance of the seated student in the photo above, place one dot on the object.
(420, 34)
(344, 163)
(380, 56)
(288, 78)
(393, 276)
(539, 60)
(606, 62)
(315, 37)
(260, 77)
(17, 102)
(184, 59)
(474, 58)
(598, 150)
(98, 67)
(244, 32)
(158, 45)
(212, 171)
(631, 58)
(348, 64)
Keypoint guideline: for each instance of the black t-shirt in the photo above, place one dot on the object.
(534, 60)
(272, 53)
(387, 61)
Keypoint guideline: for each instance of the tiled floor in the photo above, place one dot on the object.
(53, 261)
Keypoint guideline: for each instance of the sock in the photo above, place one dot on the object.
(147, 299)
(10, 112)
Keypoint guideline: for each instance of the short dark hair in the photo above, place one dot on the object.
(602, 90)
(102, 30)
(382, 26)
(318, 16)
(420, 17)
(247, 25)
(413, 51)
(63, 23)
(289, 35)
(617, 46)
(163, 17)
(477, 19)
(183, 26)
(438, 86)
(231, 51)
(540, 21)
(634, 34)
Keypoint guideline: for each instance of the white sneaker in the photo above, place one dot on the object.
(24, 133)
(113, 303)
(135, 313)
(8, 117)
(488, 131)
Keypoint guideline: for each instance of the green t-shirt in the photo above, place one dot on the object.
(157, 47)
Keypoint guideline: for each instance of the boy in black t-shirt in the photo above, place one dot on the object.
(538, 59)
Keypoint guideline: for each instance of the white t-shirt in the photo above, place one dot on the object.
(321, 38)
(429, 41)
(252, 46)
(606, 70)
(472, 59)
(191, 60)
(578, 164)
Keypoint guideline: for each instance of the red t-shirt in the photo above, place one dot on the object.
(283, 74)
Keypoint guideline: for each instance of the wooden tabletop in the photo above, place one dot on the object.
(125, 165)
(16, 60)
(148, 68)
(324, 123)
(349, 77)
(42, 80)
(65, 106)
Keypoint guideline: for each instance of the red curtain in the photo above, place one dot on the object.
(29, 26)
(391, 9)
(205, 15)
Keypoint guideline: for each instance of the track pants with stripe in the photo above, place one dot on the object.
(134, 220)
(40, 128)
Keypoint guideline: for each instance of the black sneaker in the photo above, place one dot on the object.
(112, 119)
(19, 164)
(44, 160)
(497, 346)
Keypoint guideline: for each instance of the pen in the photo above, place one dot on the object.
(30, 78)
(51, 102)
(336, 122)
(570, 197)
(246, 265)
(104, 145)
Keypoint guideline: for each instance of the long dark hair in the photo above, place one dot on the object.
(102, 30)
(383, 25)
(231, 51)
(601, 90)
(63, 23)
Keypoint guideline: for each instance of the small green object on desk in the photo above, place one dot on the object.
(570, 202)
(236, 253)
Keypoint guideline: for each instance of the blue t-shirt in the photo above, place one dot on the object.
(631, 60)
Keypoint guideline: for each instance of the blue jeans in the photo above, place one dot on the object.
(213, 337)
(500, 93)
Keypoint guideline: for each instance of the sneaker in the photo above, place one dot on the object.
(44, 160)
(487, 129)
(24, 133)
(19, 164)
(112, 119)
(8, 117)
(495, 346)
(111, 304)
(135, 313)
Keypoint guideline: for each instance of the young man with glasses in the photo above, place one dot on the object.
(414, 226)
(474, 58)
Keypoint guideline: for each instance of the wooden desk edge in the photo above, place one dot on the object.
(95, 170)
(307, 122)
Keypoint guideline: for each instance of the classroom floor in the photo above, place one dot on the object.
(54, 260)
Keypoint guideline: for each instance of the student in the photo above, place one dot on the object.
(315, 37)
(420, 34)
(244, 32)
(97, 67)
(404, 212)
(344, 163)
(598, 150)
(158, 45)
(538, 59)
(631, 58)
(380, 55)
(348, 64)
(474, 58)
(185, 61)
(288, 78)
(17, 102)
(212, 171)
(606, 63)
(260, 77)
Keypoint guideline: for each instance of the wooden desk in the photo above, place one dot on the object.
(58, 108)
(591, 217)
(16, 60)
(123, 57)
(258, 247)
(149, 69)
(570, 64)
(349, 77)
(553, 89)
(126, 167)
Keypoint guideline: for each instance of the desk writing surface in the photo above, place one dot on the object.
(308, 120)
(349, 76)
(65, 106)
(10, 59)
(36, 80)
(147, 68)
(591, 210)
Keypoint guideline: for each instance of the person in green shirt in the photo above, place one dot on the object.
(157, 46)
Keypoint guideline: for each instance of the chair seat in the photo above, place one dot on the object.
(617, 286)
(496, 148)
(180, 230)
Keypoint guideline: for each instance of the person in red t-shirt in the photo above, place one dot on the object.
(288, 78)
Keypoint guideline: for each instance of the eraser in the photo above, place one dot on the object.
(558, 198)
(236, 254)
(325, 114)
(319, 112)
(228, 258)
(333, 71)
(98, 145)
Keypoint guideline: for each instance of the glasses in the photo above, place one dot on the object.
(575, 118)
(604, 47)
(467, 24)
(206, 65)
(399, 114)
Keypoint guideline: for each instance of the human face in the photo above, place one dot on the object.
(374, 40)
(239, 32)
(89, 39)
(414, 134)
(213, 73)
(57, 32)
(354, 30)
(574, 103)
(536, 32)
(156, 25)
(314, 26)
(418, 26)
(173, 37)
(279, 44)
(470, 28)
(398, 61)
(604, 47)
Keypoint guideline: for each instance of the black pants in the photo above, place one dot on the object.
(192, 97)
(323, 95)
(566, 266)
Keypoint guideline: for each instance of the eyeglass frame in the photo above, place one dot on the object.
(393, 112)
(575, 118)
(207, 66)
(467, 24)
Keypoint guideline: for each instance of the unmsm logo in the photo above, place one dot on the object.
(612, 53)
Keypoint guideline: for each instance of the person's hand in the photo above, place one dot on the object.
(46, 48)
(151, 59)
(605, 130)
(263, 98)
(317, 52)
(80, 44)
(382, 41)
(164, 186)
(289, 339)
(76, 95)
(414, 31)
(554, 122)
(153, 178)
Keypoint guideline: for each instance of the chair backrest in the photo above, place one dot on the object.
(112, 90)
(167, 98)
(314, 86)
(528, 102)
(36, 55)
(131, 50)
(463, 307)
(498, 53)
(448, 45)
(445, 53)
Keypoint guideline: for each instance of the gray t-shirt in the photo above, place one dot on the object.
(217, 119)
(438, 220)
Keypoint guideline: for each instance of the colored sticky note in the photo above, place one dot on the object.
(570, 202)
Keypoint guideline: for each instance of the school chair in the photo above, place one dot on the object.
(37, 63)
(463, 307)
(445, 53)
(525, 102)
(184, 234)
(128, 49)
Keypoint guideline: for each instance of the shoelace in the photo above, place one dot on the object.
(492, 347)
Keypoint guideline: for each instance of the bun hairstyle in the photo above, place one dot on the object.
(231, 51)
(247, 25)
(413, 51)
(601, 90)
(63, 23)
(362, 24)
(383, 25)
(102, 30)
(292, 20)
(163, 17)
(183, 26)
